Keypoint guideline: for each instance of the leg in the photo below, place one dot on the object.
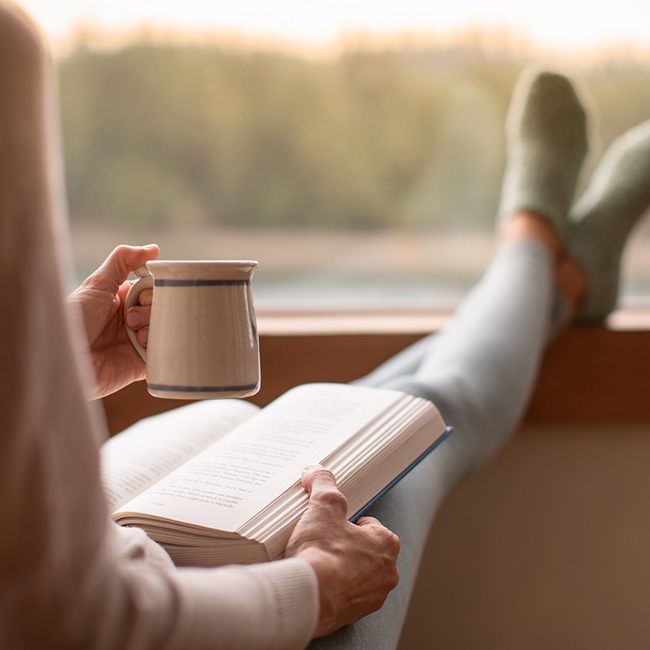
(466, 369)
(480, 370)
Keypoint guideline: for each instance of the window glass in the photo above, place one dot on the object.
(356, 151)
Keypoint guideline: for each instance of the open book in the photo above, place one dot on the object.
(218, 481)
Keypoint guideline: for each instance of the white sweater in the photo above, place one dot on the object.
(68, 577)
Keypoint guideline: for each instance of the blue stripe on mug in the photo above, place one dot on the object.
(201, 389)
(160, 282)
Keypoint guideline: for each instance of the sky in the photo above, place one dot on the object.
(565, 24)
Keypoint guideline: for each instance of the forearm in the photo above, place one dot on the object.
(146, 603)
(126, 601)
(274, 605)
(66, 579)
(261, 606)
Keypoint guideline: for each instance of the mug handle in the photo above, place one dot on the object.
(145, 282)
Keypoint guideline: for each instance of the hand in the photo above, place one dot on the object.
(356, 564)
(100, 299)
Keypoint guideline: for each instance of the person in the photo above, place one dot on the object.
(69, 578)
(91, 584)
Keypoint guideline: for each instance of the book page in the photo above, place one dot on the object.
(228, 483)
(136, 458)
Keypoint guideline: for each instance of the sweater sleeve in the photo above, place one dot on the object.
(68, 577)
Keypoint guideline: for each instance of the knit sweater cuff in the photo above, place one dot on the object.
(263, 606)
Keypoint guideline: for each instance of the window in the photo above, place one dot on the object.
(356, 150)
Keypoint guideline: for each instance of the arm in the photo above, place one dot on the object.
(62, 563)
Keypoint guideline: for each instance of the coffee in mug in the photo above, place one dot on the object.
(203, 340)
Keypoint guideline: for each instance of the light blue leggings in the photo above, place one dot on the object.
(479, 371)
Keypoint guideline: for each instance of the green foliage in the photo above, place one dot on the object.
(159, 134)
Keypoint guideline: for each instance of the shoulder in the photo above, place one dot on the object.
(22, 45)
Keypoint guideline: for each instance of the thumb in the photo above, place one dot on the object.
(315, 478)
(321, 486)
(118, 265)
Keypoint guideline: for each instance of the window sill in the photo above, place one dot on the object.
(634, 316)
(589, 374)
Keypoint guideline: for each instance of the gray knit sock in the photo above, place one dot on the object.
(546, 131)
(617, 197)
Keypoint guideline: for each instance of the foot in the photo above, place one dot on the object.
(601, 221)
(546, 133)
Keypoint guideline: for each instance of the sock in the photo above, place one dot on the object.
(546, 133)
(617, 197)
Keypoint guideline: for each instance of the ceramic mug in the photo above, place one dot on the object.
(203, 339)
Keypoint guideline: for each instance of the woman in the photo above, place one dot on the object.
(90, 584)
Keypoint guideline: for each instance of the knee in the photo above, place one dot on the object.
(448, 396)
(478, 431)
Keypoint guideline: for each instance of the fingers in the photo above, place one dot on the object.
(368, 521)
(142, 335)
(137, 318)
(114, 272)
(146, 297)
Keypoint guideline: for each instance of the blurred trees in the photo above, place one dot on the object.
(156, 135)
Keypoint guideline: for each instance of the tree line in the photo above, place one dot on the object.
(162, 134)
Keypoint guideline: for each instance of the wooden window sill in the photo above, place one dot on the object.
(596, 373)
